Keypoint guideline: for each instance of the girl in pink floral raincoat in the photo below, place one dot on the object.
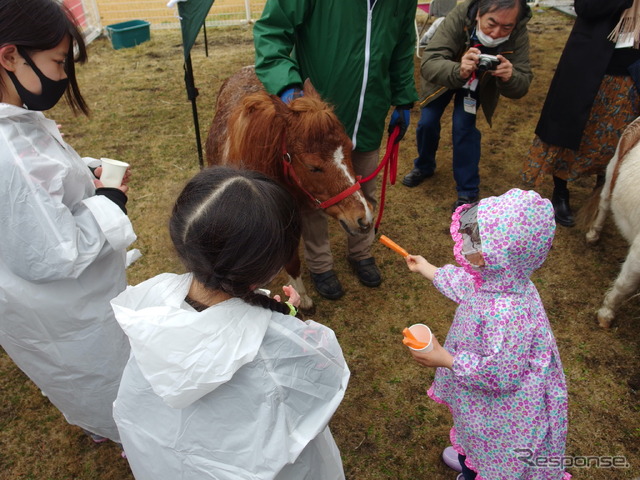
(502, 377)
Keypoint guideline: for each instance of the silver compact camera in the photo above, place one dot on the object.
(487, 62)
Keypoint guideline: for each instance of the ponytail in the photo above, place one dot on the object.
(260, 300)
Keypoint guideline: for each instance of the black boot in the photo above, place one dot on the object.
(560, 202)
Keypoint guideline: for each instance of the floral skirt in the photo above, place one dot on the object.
(616, 105)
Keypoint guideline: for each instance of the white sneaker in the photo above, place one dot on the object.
(460, 477)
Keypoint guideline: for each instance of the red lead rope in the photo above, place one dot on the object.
(390, 164)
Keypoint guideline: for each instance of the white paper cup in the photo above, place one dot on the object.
(112, 172)
(423, 335)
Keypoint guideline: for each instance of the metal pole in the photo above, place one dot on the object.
(247, 8)
(192, 93)
(206, 43)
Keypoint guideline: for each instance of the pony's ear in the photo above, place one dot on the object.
(309, 89)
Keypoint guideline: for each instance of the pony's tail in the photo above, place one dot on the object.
(589, 210)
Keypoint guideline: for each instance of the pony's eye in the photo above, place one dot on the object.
(314, 169)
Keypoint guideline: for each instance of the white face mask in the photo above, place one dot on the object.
(489, 42)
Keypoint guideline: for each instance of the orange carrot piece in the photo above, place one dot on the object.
(407, 333)
(412, 344)
(387, 242)
(410, 341)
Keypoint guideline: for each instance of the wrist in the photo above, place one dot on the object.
(290, 93)
(293, 311)
(116, 195)
(448, 359)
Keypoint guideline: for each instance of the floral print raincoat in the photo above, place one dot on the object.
(507, 389)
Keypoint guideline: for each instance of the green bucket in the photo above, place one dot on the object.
(128, 34)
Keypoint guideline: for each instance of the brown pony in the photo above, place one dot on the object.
(303, 145)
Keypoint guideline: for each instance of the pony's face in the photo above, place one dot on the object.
(327, 174)
(255, 130)
(321, 157)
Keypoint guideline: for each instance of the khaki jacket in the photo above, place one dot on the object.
(440, 69)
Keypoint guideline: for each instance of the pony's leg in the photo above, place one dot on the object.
(627, 281)
(593, 234)
(295, 279)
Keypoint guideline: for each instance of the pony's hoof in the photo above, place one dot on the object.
(306, 304)
(308, 312)
(605, 317)
(592, 237)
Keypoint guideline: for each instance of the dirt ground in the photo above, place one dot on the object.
(386, 427)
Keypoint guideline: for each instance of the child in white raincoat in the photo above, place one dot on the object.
(503, 379)
(222, 382)
(62, 252)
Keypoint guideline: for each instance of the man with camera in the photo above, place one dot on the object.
(479, 52)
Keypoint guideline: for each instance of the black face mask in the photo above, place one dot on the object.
(52, 90)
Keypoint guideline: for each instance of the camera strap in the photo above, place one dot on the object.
(472, 83)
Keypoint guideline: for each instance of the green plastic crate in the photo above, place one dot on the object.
(129, 34)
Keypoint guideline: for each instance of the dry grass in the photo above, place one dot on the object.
(386, 427)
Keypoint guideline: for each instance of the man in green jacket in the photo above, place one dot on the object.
(358, 55)
(455, 65)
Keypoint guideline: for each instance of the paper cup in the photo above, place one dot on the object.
(423, 335)
(112, 172)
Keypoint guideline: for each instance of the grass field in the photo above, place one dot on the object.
(386, 428)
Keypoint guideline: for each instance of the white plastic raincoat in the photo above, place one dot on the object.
(62, 258)
(230, 393)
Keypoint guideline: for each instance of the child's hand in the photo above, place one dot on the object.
(98, 184)
(419, 264)
(294, 296)
(414, 262)
(438, 357)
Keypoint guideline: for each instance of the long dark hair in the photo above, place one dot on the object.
(235, 230)
(42, 25)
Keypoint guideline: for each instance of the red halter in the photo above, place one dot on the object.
(292, 177)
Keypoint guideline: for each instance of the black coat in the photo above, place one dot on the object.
(579, 73)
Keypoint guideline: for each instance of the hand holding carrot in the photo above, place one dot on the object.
(418, 264)
(438, 357)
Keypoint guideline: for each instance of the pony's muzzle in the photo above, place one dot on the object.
(361, 226)
(365, 225)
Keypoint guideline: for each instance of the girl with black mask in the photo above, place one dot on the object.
(62, 255)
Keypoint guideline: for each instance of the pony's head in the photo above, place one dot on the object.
(265, 134)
